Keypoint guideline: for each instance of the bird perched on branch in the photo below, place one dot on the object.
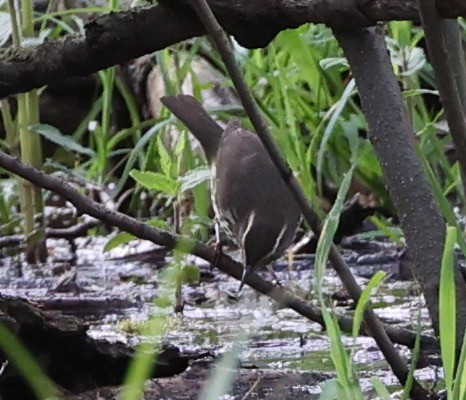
(252, 204)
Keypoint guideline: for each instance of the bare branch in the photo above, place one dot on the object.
(119, 37)
(397, 362)
(393, 140)
(85, 205)
(434, 32)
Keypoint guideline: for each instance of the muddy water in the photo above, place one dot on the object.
(115, 290)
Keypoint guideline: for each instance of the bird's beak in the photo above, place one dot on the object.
(246, 272)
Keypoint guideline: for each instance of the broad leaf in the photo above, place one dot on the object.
(156, 181)
(54, 135)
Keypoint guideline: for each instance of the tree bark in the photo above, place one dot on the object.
(393, 141)
(116, 38)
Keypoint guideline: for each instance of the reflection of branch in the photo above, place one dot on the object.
(119, 37)
(85, 205)
(70, 233)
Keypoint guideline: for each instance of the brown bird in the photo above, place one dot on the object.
(252, 204)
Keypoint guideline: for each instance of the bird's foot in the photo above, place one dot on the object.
(275, 281)
(217, 256)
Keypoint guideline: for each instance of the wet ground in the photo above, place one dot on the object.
(282, 355)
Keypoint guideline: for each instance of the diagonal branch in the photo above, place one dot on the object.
(85, 205)
(393, 140)
(434, 32)
(454, 45)
(396, 361)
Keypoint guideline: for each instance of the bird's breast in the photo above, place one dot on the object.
(224, 217)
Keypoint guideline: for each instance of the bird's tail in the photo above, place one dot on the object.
(189, 111)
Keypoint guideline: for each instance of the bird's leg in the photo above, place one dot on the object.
(218, 248)
(274, 275)
(247, 269)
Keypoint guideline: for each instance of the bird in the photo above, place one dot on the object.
(252, 204)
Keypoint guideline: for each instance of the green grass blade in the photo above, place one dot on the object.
(459, 388)
(221, 380)
(28, 367)
(144, 359)
(330, 227)
(415, 356)
(443, 202)
(133, 156)
(373, 284)
(447, 309)
(336, 111)
(380, 388)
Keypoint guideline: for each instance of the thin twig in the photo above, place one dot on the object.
(396, 361)
(454, 45)
(434, 32)
(85, 205)
(252, 388)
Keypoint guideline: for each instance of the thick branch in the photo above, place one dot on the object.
(119, 37)
(434, 32)
(85, 205)
(393, 140)
(397, 362)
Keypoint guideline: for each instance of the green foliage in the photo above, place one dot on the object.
(157, 181)
(305, 89)
(346, 385)
(54, 135)
(23, 361)
(145, 357)
(124, 237)
(447, 310)
(364, 300)
(221, 379)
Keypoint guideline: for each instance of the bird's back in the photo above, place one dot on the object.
(251, 200)
(248, 188)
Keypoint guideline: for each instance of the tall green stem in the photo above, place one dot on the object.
(30, 149)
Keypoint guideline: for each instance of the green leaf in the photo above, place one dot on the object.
(156, 181)
(135, 153)
(194, 177)
(417, 92)
(54, 135)
(162, 302)
(118, 240)
(331, 62)
(334, 114)
(380, 388)
(5, 27)
(447, 309)
(159, 223)
(394, 234)
(416, 60)
(338, 354)
(330, 227)
(165, 159)
(23, 361)
(222, 377)
(330, 390)
(125, 237)
(414, 360)
(190, 274)
(459, 391)
(443, 202)
(364, 300)
(181, 144)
